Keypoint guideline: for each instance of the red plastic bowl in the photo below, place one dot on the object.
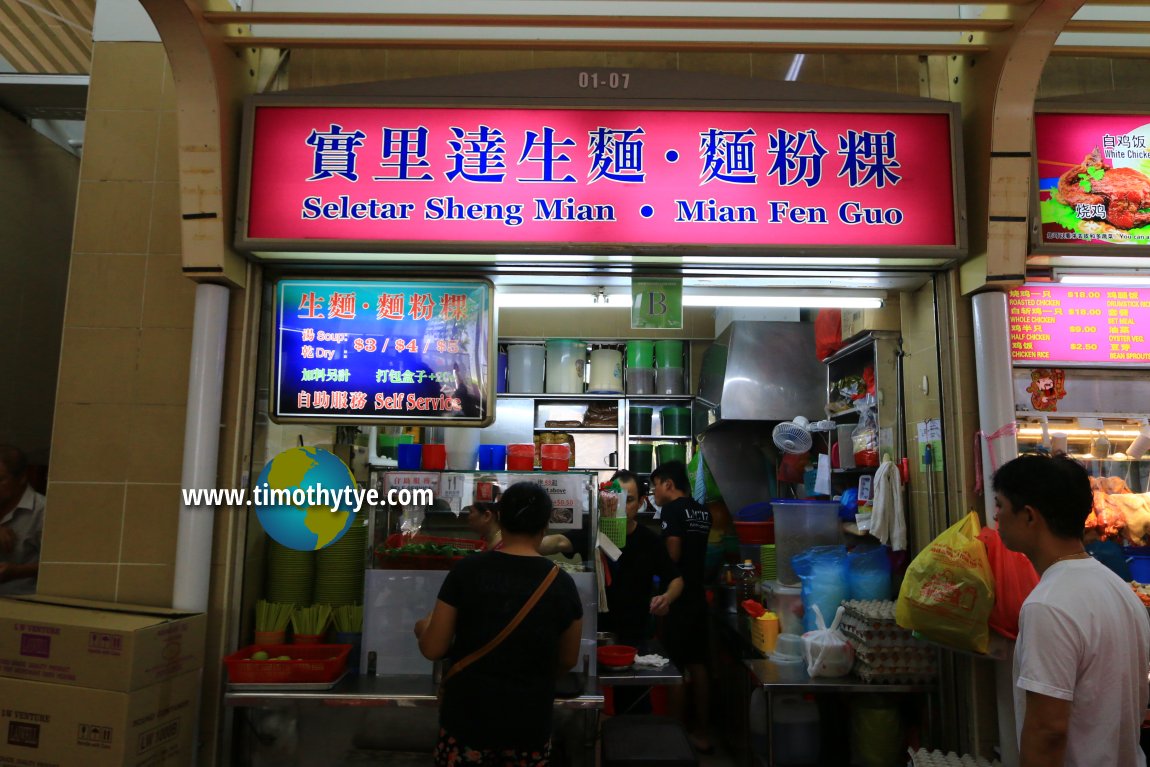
(616, 655)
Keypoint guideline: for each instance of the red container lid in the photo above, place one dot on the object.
(520, 449)
(555, 451)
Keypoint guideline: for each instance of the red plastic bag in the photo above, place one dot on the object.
(1014, 579)
(828, 332)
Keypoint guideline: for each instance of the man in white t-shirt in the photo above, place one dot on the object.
(1080, 665)
(21, 525)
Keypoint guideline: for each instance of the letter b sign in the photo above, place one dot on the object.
(657, 304)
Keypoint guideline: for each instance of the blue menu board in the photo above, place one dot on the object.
(407, 351)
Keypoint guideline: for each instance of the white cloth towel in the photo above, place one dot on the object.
(651, 661)
(888, 520)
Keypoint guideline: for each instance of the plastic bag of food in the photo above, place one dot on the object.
(826, 650)
(948, 590)
(864, 440)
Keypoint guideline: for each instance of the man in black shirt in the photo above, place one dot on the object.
(686, 527)
(631, 600)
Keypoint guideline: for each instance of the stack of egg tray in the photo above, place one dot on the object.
(886, 653)
(924, 758)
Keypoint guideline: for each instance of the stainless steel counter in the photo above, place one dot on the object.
(400, 691)
(641, 676)
(765, 675)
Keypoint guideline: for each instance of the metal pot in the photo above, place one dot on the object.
(604, 637)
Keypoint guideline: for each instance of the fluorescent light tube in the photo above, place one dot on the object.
(1117, 281)
(746, 300)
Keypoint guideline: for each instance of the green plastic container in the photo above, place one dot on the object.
(669, 354)
(388, 442)
(639, 457)
(639, 419)
(640, 354)
(675, 452)
(676, 421)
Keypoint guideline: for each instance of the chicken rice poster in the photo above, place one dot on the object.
(1093, 178)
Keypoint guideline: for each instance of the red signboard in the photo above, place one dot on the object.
(356, 177)
(1056, 324)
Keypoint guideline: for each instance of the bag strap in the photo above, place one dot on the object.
(470, 658)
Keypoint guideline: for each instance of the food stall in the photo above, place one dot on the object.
(394, 362)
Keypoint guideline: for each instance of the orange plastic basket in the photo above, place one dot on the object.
(309, 663)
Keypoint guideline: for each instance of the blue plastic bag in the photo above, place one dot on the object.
(823, 572)
(869, 573)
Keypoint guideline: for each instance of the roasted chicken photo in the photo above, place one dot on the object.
(1124, 192)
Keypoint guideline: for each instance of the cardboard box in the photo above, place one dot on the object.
(56, 725)
(859, 321)
(103, 645)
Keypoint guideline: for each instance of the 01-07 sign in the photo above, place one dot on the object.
(406, 351)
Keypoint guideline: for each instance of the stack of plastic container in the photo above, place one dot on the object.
(924, 758)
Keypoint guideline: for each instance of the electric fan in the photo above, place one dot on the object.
(792, 437)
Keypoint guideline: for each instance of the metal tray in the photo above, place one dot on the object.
(286, 686)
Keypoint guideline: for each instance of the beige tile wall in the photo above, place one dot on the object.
(37, 196)
(114, 480)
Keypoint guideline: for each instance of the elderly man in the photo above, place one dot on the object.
(21, 525)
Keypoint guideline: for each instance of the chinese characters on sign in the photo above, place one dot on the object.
(1052, 324)
(367, 349)
(1093, 178)
(600, 177)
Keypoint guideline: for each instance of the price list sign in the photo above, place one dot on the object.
(1055, 324)
(405, 351)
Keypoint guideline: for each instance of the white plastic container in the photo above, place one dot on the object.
(799, 525)
(606, 375)
(795, 730)
(787, 603)
(462, 447)
(566, 362)
(525, 368)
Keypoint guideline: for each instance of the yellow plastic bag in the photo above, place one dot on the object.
(948, 590)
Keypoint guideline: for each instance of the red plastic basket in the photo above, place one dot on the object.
(423, 561)
(309, 663)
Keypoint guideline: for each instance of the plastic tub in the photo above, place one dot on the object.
(676, 421)
(669, 381)
(521, 457)
(462, 447)
(787, 668)
(434, 457)
(566, 361)
(639, 419)
(788, 645)
(408, 456)
(640, 354)
(554, 457)
(525, 368)
(492, 457)
(674, 452)
(640, 380)
(799, 525)
(787, 603)
(606, 376)
(639, 457)
(1139, 562)
(669, 354)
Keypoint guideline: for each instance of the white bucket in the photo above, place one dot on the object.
(566, 360)
(462, 447)
(606, 372)
(525, 366)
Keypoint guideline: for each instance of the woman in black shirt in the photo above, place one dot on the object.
(497, 711)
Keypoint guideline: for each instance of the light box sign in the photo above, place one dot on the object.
(356, 177)
(410, 351)
(1083, 326)
(1093, 178)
